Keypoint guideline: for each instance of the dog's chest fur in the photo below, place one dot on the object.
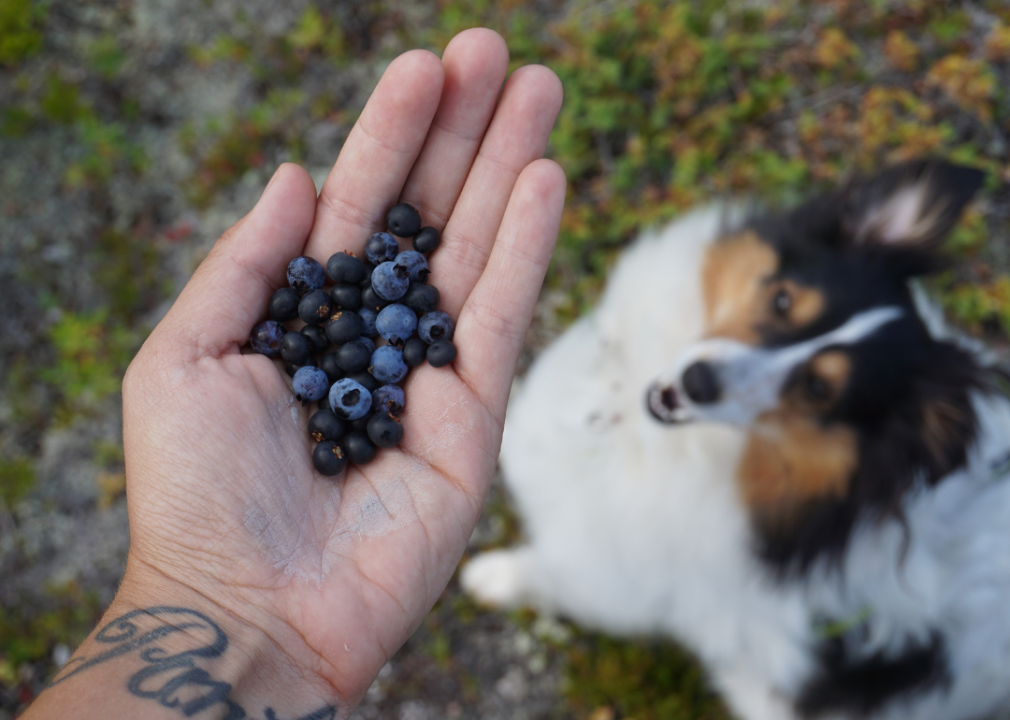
(634, 527)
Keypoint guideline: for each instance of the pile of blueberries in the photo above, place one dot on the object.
(335, 360)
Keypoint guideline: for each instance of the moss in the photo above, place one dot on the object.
(21, 34)
(17, 475)
(29, 632)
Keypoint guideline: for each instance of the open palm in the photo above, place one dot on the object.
(222, 494)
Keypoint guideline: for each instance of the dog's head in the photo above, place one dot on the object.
(815, 347)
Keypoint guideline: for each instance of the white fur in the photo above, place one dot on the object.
(636, 527)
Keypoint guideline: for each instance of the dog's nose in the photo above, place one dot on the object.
(701, 383)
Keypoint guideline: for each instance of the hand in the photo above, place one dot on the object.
(223, 500)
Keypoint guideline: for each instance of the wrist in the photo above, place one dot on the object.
(165, 650)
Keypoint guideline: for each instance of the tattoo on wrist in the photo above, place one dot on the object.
(172, 641)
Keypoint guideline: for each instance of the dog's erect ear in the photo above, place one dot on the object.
(914, 204)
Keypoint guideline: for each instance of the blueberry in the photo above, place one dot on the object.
(354, 356)
(345, 268)
(325, 425)
(358, 448)
(305, 274)
(328, 458)
(283, 304)
(361, 424)
(387, 365)
(385, 430)
(426, 240)
(368, 318)
(367, 341)
(309, 384)
(365, 379)
(390, 281)
(414, 263)
(421, 298)
(317, 338)
(396, 323)
(371, 300)
(441, 352)
(295, 347)
(403, 220)
(345, 296)
(381, 247)
(266, 338)
(414, 351)
(389, 398)
(435, 325)
(344, 326)
(328, 363)
(350, 400)
(314, 307)
(366, 282)
(291, 368)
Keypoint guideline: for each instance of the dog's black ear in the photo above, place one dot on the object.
(913, 205)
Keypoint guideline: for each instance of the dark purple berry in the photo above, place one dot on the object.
(381, 247)
(266, 338)
(283, 305)
(295, 348)
(435, 325)
(390, 281)
(345, 297)
(421, 298)
(317, 338)
(366, 282)
(414, 351)
(389, 398)
(325, 425)
(388, 366)
(365, 379)
(403, 220)
(358, 448)
(368, 318)
(396, 323)
(385, 430)
(426, 240)
(305, 274)
(343, 267)
(371, 300)
(291, 368)
(350, 400)
(441, 352)
(415, 265)
(328, 364)
(309, 384)
(354, 356)
(315, 307)
(361, 424)
(343, 327)
(328, 458)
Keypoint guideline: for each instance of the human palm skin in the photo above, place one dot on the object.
(225, 507)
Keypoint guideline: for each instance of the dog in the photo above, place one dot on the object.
(765, 443)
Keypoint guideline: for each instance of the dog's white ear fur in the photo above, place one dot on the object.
(914, 204)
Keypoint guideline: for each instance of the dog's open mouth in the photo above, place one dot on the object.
(664, 404)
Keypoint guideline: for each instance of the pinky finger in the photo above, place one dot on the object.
(493, 321)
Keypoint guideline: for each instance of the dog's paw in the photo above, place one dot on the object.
(496, 578)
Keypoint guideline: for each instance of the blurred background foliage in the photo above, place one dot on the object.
(667, 105)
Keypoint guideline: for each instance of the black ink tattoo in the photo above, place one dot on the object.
(173, 679)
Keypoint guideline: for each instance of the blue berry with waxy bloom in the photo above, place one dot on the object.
(403, 220)
(441, 353)
(385, 430)
(414, 263)
(295, 348)
(345, 296)
(349, 399)
(358, 448)
(343, 327)
(415, 351)
(380, 247)
(291, 368)
(421, 298)
(283, 305)
(390, 281)
(328, 458)
(266, 338)
(343, 267)
(426, 240)
(389, 398)
(368, 318)
(354, 356)
(435, 325)
(310, 384)
(396, 323)
(317, 338)
(305, 274)
(388, 366)
(325, 425)
(315, 307)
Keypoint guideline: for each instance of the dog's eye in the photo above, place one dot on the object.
(782, 303)
(818, 388)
